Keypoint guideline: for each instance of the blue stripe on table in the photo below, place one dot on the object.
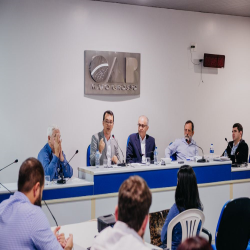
(110, 183)
(239, 175)
(72, 192)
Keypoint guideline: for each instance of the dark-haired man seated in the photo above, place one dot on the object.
(134, 201)
(23, 224)
(237, 150)
(104, 142)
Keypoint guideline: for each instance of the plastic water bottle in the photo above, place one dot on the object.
(155, 156)
(225, 153)
(211, 152)
(97, 158)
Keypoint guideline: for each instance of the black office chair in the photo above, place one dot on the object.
(233, 229)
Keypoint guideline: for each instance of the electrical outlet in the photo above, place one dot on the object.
(193, 47)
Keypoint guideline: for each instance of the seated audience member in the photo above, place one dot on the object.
(134, 201)
(23, 224)
(195, 243)
(186, 147)
(140, 145)
(52, 157)
(104, 142)
(186, 197)
(237, 150)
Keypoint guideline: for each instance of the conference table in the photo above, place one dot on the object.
(84, 234)
(95, 192)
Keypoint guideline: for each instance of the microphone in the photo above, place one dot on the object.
(51, 212)
(62, 180)
(123, 164)
(9, 164)
(228, 143)
(6, 188)
(202, 159)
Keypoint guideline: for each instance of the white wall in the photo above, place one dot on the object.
(42, 44)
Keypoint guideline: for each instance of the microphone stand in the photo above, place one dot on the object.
(122, 164)
(202, 160)
(62, 180)
(6, 167)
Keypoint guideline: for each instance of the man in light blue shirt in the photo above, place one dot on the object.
(184, 148)
(23, 225)
(52, 157)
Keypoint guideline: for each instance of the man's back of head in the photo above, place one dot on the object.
(134, 201)
(30, 173)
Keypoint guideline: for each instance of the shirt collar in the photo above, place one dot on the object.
(21, 196)
(119, 225)
(237, 144)
(49, 148)
(144, 140)
(184, 140)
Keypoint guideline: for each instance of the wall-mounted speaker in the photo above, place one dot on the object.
(214, 61)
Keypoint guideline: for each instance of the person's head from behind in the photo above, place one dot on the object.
(31, 180)
(195, 243)
(186, 193)
(237, 132)
(134, 201)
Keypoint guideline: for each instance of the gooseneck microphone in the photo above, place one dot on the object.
(4, 168)
(123, 164)
(50, 212)
(202, 159)
(9, 164)
(62, 180)
(228, 143)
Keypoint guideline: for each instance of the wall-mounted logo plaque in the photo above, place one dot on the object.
(111, 73)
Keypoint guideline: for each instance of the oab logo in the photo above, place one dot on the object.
(112, 73)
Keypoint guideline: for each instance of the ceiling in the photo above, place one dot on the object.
(224, 7)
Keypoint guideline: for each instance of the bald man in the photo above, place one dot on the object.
(140, 145)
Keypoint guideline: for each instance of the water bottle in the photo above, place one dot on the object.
(97, 158)
(211, 152)
(155, 156)
(225, 153)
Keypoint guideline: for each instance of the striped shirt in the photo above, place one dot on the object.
(24, 225)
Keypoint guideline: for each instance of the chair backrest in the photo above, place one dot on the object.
(249, 158)
(173, 156)
(233, 228)
(189, 221)
(128, 140)
(88, 157)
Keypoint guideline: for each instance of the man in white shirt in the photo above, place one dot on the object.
(134, 201)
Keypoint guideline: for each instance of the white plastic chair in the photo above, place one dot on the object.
(189, 220)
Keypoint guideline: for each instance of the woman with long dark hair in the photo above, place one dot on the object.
(186, 197)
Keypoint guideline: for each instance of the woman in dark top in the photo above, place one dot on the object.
(186, 197)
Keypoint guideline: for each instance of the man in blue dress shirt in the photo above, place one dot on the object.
(52, 157)
(186, 147)
(23, 224)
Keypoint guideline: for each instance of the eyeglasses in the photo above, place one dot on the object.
(142, 125)
(108, 122)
